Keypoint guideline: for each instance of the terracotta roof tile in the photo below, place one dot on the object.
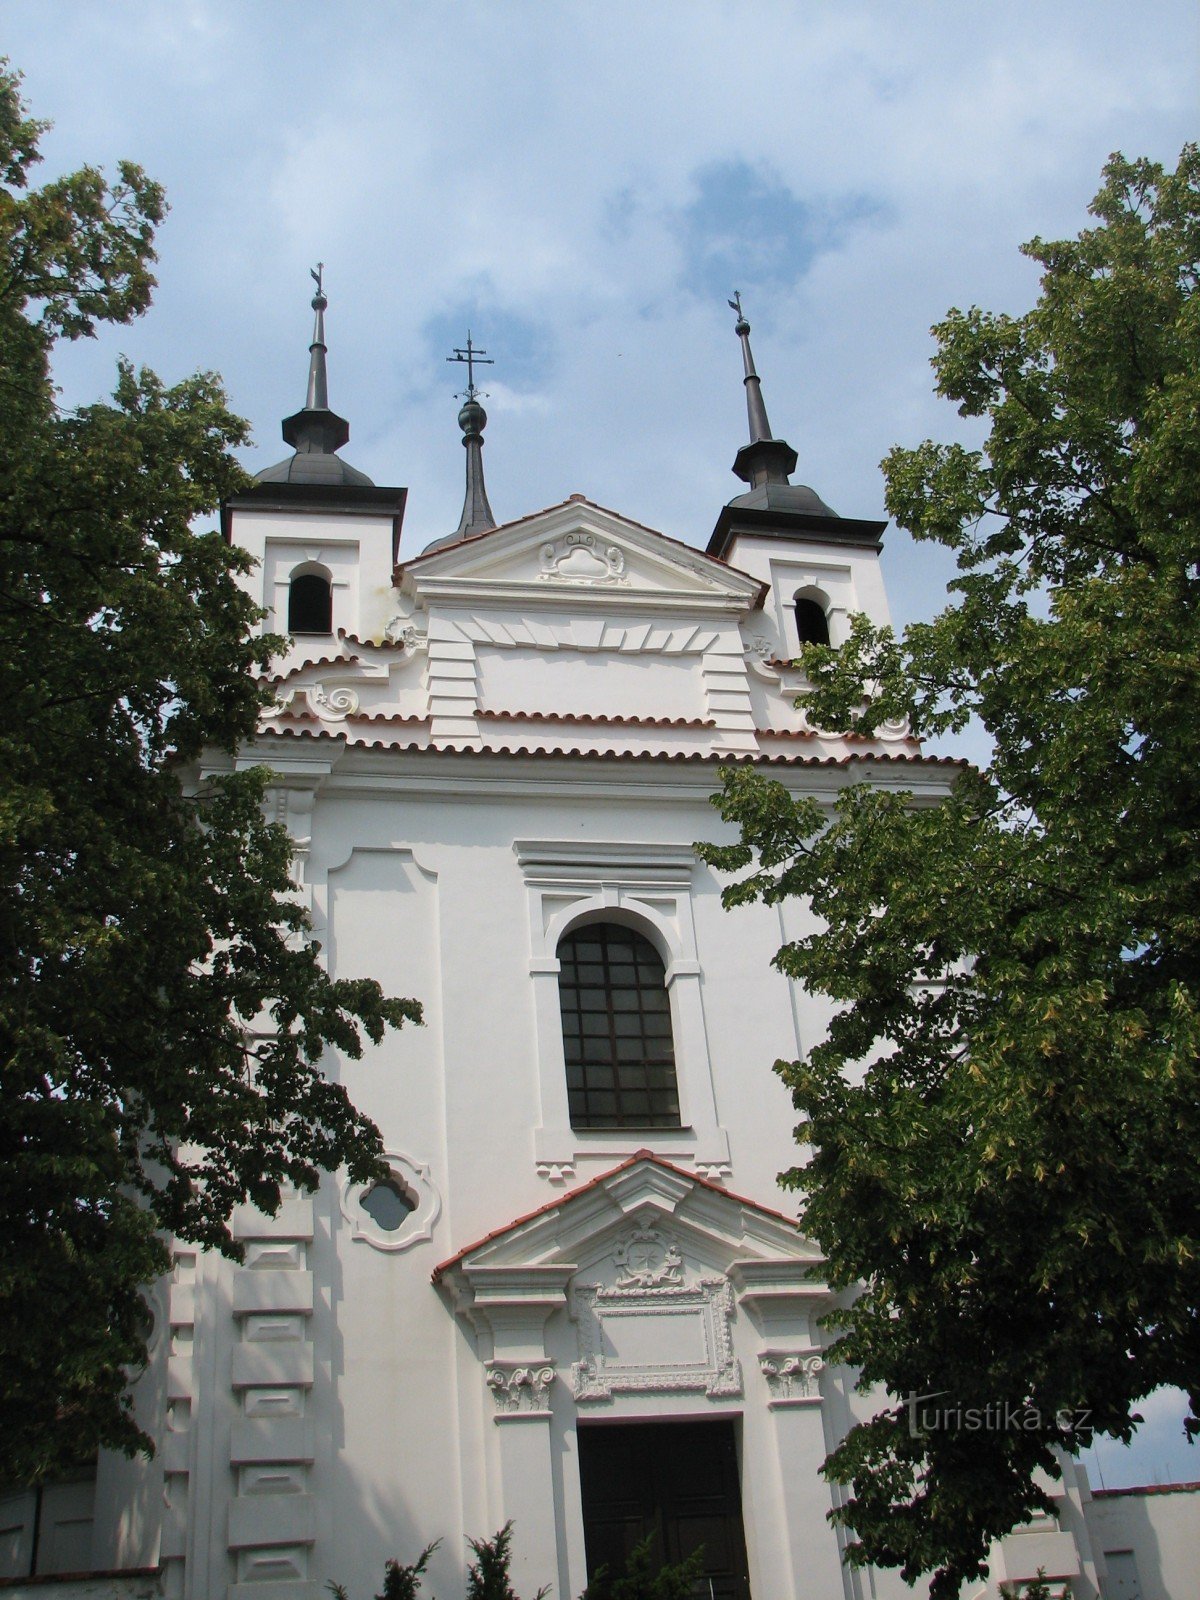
(712, 758)
(316, 661)
(598, 720)
(1149, 1488)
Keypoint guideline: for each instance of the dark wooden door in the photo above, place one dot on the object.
(674, 1481)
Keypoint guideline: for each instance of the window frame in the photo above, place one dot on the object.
(314, 570)
(648, 887)
(616, 1071)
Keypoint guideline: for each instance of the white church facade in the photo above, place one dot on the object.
(581, 1302)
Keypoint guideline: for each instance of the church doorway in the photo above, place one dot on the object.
(674, 1482)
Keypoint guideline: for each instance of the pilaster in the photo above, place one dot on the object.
(272, 1523)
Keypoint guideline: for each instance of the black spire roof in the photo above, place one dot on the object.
(472, 419)
(774, 505)
(316, 433)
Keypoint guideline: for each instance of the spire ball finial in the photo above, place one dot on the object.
(317, 273)
(735, 304)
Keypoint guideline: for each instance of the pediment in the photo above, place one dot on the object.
(629, 1221)
(579, 555)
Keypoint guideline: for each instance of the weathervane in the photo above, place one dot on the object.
(472, 358)
(317, 274)
(736, 305)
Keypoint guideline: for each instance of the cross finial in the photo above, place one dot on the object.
(317, 274)
(736, 305)
(472, 358)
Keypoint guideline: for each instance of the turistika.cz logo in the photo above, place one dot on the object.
(937, 1413)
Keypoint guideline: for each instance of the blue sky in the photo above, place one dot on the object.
(583, 185)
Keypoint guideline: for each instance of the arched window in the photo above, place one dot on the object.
(310, 603)
(812, 624)
(616, 1019)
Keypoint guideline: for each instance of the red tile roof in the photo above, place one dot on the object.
(599, 720)
(722, 758)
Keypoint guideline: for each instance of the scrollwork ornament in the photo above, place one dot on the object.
(519, 1390)
(792, 1376)
(335, 704)
(576, 558)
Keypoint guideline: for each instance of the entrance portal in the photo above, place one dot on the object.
(676, 1482)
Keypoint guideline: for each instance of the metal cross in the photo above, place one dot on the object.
(472, 358)
(736, 305)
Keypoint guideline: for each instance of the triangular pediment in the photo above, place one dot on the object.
(592, 1227)
(578, 555)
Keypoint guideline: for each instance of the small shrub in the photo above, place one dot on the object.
(642, 1581)
(1037, 1589)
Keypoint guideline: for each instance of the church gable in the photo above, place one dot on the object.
(576, 557)
(587, 1229)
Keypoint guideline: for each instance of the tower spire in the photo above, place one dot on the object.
(765, 459)
(472, 419)
(316, 430)
(318, 378)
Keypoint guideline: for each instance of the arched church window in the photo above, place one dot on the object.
(310, 603)
(812, 624)
(616, 1018)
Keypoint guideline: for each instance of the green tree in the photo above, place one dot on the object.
(1001, 1119)
(162, 1010)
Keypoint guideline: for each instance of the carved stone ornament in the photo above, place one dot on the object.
(713, 1171)
(582, 558)
(334, 704)
(647, 1259)
(520, 1390)
(557, 1172)
(401, 631)
(416, 1228)
(663, 1339)
(792, 1375)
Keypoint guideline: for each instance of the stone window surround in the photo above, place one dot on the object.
(647, 887)
(829, 583)
(286, 556)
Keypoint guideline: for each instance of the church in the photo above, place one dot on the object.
(579, 1301)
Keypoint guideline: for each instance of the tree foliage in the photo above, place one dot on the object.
(1001, 1117)
(163, 1011)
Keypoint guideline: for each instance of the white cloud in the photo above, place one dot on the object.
(535, 162)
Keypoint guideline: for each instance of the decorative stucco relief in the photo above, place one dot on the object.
(651, 1331)
(647, 1259)
(582, 558)
(417, 1227)
(557, 1172)
(627, 635)
(332, 705)
(400, 630)
(792, 1375)
(520, 1390)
